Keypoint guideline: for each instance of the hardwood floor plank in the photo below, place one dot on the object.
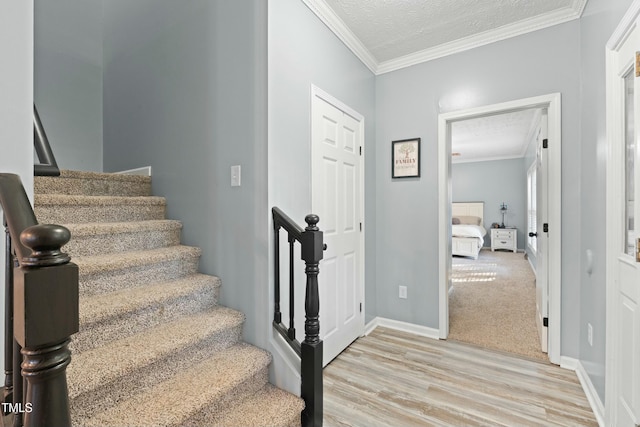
(392, 378)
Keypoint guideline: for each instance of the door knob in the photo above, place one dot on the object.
(532, 234)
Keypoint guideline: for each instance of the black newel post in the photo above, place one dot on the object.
(311, 388)
(45, 316)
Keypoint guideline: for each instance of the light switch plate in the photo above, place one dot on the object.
(402, 292)
(236, 175)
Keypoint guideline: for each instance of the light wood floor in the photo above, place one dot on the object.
(391, 378)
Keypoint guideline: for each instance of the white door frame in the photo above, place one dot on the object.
(553, 105)
(319, 93)
(614, 223)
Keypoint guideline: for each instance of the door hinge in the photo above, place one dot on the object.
(545, 227)
(360, 307)
(637, 64)
(545, 143)
(361, 150)
(360, 226)
(545, 322)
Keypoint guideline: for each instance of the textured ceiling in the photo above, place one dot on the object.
(502, 136)
(393, 28)
(391, 34)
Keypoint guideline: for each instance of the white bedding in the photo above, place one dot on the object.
(466, 230)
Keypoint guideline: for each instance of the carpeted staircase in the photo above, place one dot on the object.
(154, 347)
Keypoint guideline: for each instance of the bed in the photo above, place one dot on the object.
(467, 229)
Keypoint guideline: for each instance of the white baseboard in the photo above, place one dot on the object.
(144, 171)
(533, 268)
(589, 390)
(569, 363)
(411, 328)
(592, 395)
(369, 327)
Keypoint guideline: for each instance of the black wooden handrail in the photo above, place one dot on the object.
(47, 165)
(310, 350)
(281, 219)
(42, 285)
(17, 210)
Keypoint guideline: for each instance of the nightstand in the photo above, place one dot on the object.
(504, 238)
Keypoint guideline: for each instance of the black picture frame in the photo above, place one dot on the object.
(405, 158)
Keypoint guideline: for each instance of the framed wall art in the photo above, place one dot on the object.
(405, 158)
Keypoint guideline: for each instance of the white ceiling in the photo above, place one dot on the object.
(496, 137)
(390, 34)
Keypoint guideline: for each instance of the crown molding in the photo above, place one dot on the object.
(340, 29)
(507, 31)
(624, 27)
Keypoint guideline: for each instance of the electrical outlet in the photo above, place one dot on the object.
(402, 292)
(590, 334)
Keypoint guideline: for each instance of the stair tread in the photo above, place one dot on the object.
(94, 264)
(173, 401)
(67, 173)
(98, 228)
(97, 366)
(96, 308)
(270, 406)
(95, 238)
(81, 200)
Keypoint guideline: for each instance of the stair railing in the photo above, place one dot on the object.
(310, 350)
(47, 165)
(42, 312)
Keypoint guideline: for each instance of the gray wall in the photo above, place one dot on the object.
(174, 83)
(494, 182)
(302, 52)
(597, 24)
(408, 102)
(185, 92)
(68, 79)
(16, 108)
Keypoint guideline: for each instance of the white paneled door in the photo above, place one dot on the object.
(623, 195)
(336, 139)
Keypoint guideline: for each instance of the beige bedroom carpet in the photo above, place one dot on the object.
(493, 303)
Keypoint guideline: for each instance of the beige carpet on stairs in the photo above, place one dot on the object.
(154, 348)
(493, 303)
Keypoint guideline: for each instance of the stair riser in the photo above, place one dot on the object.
(270, 406)
(115, 280)
(66, 214)
(90, 187)
(108, 394)
(96, 334)
(121, 242)
(208, 415)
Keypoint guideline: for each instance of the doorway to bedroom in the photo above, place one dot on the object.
(494, 204)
